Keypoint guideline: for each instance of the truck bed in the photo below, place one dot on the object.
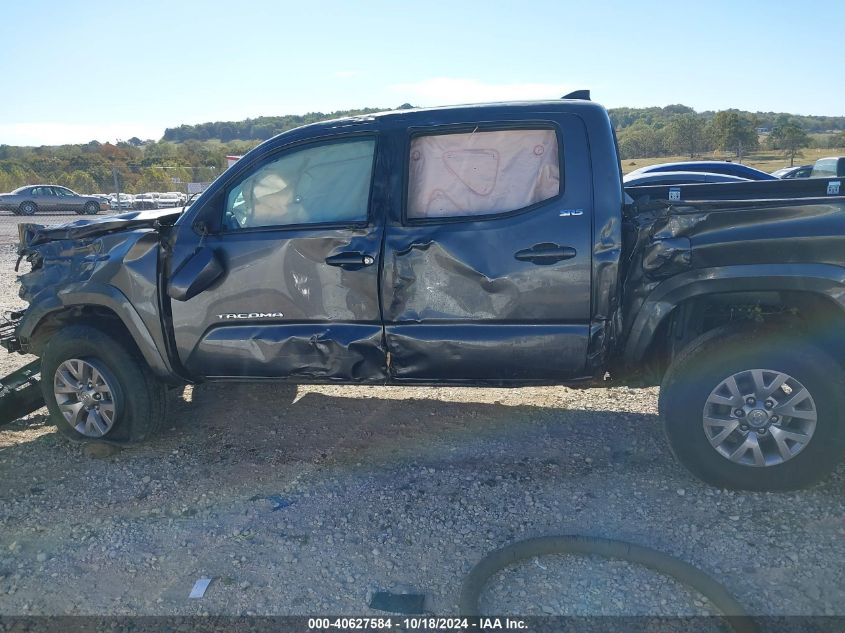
(759, 230)
(742, 191)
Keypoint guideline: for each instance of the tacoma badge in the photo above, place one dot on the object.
(252, 315)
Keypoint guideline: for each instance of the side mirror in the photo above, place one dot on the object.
(195, 275)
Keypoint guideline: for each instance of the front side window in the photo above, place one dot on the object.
(320, 184)
(482, 172)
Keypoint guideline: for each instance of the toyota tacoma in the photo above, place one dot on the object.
(471, 245)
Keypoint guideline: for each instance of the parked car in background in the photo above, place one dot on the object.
(677, 178)
(145, 201)
(125, 202)
(709, 166)
(47, 198)
(830, 167)
(104, 198)
(169, 200)
(786, 173)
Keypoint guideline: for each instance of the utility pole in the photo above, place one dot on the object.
(116, 186)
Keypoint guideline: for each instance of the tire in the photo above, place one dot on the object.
(91, 208)
(136, 399)
(27, 208)
(697, 388)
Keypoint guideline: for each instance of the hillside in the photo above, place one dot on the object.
(262, 128)
(196, 153)
(259, 129)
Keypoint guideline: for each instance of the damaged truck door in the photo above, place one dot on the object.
(299, 245)
(487, 262)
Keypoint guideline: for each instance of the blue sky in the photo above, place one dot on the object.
(75, 71)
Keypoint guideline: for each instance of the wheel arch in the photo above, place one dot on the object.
(104, 308)
(815, 293)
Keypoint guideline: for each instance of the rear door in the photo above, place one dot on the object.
(487, 263)
(45, 198)
(300, 247)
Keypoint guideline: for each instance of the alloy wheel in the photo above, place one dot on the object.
(759, 417)
(85, 395)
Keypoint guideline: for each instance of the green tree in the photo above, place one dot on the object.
(686, 134)
(161, 153)
(639, 141)
(836, 140)
(79, 181)
(734, 132)
(791, 139)
(153, 179)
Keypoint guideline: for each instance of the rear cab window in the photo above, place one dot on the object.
(481, 172)
(824, 168)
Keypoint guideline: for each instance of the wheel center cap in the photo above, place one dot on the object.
(757, 418)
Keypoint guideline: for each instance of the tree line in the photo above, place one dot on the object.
(680, 130)
(141, 166)
(259, 129)
(197, 153)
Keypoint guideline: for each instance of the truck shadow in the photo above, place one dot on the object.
(383, 425)
(247, 432)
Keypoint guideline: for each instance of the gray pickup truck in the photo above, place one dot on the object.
(472, 245)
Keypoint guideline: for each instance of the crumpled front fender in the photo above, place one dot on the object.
(116, 272)
(99, 295)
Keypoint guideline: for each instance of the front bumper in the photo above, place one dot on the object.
(9, 332)
(20, 391)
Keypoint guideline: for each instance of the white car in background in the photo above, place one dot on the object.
(145, 201)
(125, 202)
(169, 200)
(183, 197)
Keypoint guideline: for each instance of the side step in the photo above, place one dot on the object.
(20, 392)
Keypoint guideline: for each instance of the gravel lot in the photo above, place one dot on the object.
(384, 488)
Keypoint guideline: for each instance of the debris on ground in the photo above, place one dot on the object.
(200, 587)
(280, 503)
(406, 603)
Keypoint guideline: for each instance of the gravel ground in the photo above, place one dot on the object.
(305, 500)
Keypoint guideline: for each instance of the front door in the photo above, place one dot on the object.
(300, 249)
(487, 266)
(68, 200)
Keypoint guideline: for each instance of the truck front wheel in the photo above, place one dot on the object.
(97, 386)
(755, 409)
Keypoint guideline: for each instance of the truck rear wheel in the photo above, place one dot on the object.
(97, 386)
(755, 409)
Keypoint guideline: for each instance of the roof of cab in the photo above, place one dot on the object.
(452, 112)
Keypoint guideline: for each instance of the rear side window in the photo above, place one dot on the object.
(482, 172)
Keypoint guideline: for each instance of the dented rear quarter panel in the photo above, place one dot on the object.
(689, 248)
